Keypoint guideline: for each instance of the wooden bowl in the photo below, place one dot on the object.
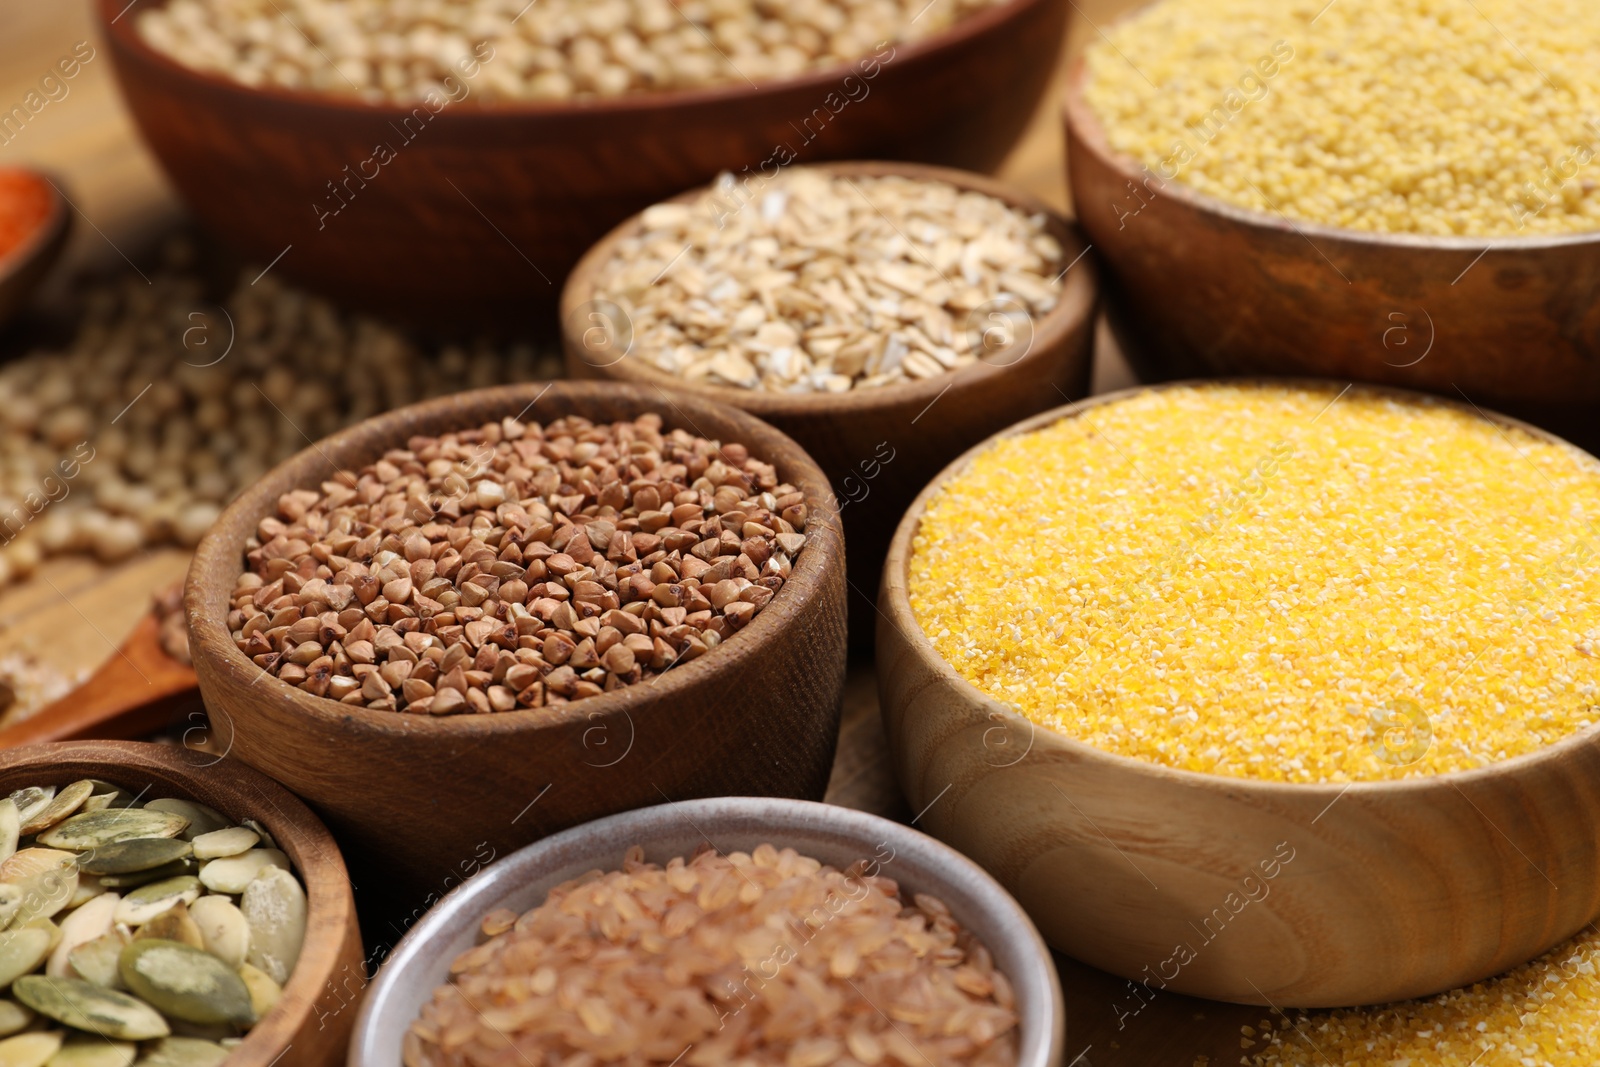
(317, 1012)
(1327, 894)
(24, 267)
(416, 797)
(1198, 287)
(879, 446)
(485, 209)
(834, 835)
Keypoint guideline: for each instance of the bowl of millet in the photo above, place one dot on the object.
(1276, 692)
(425, 159)
(466, 624)
(1402, 193)
(728, 930)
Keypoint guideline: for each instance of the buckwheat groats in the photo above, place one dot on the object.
(766, 957)
(1470, 117)
(515, 565)
(812, 282)
(508, 50)
(1275, 583)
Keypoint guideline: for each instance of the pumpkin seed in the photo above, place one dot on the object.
(11, 898)
(264, 992)
(233, 874)
(98, 802)
(135, 879)
(223, 929)
(202, 820)
(275, 907)
(110, 795)
(65, 803)
(95, 829)
(140, 854)
(81, 1050)
(29, 1050)
(14, 1017)
(10, 828)
(48, 880)
(32, 800)
(186, 983)
(174, 924)
(148, 901)
(85, 1006)
(183, 1052)
(96, 961)
(21, 951)
(219, 844)
(87, 923)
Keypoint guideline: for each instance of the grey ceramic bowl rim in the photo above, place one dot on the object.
(973, 896)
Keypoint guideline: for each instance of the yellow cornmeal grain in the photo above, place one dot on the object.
(1543, 1014)
(1471, 117)
(1274, 583)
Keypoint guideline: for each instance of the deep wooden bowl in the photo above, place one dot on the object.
(1198, 287)
(24, 267)
(1230, 888)
(485, 209)
(880, 446)
(312, 1023)
(421, 799)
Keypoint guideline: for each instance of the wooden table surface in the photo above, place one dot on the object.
(73, 613)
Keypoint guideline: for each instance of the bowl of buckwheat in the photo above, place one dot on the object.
(461, 154)
(465, 624)
(887, 316)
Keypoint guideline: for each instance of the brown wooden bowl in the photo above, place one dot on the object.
(1197, 287)
(880, 446)
(485, 209)
(1347, 894)
(311, 1024)
(416, 797)
(24, 267)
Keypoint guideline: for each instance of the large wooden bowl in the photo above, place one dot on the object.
(1198, 287)
(1390, 890)
(880, 446)
(311, 1024)
(422, 799)
(486, 209)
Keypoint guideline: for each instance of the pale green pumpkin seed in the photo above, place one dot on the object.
(233, 874)
(183, 1052)
(95, 829)
(275, 907)
(21, 951)
(48, 879)
(84, 1006)
(174, 924)
(11, 898)
(65, 803)
(29, 1050)
(140, 854)
(87, 923)
(220, 844)
(14, 1017)
(114, 796)
(10, 828)
(82, 1050)
(96, 961)
(202, 820)
(135, 879)
(98, 802)
(32, 800)
(148, 901)
(223, 929)
(264, 992)
(186, 983)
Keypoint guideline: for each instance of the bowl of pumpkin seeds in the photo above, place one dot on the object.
(160, 907)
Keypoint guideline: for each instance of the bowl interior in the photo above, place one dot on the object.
(834, 835)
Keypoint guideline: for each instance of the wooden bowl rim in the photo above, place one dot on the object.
(807, 582)
(895, 609)
(1074, 308)
(1091, 136)
(44, 241)
(291, 823)
(109, 13)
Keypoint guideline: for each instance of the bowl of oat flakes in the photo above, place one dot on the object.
(887, 316)
(461, 155)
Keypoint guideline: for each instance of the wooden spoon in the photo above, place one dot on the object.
(24, 267)
(136, 692)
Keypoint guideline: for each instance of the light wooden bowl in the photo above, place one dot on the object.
(1390, 890)
(849, 434)
(1198, 287)
(24, 267)
(312, 1023)
(486, 210)
(417, 798)
(834, 835)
